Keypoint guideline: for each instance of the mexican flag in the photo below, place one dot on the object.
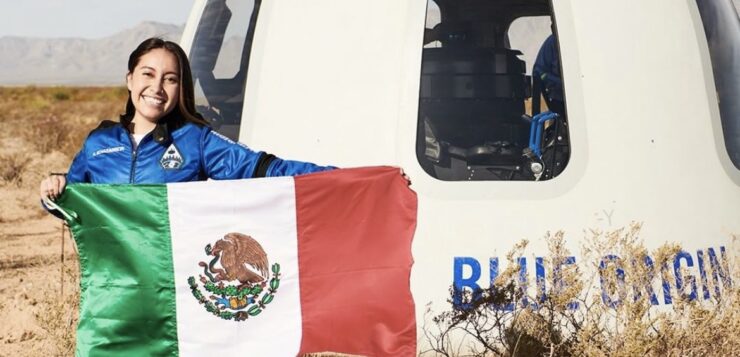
(261, 267)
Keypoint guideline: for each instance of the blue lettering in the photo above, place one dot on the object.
(702, 274)
(559, 283)
(666, 286)
(539, 264)
(606, 296)
(523, 285)
(682, 255)
(718, 270)
(467, 273)
(648, 284)
(493, 268)
(460, 283)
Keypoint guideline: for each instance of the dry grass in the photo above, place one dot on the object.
(56, 119)
(12, 168)
(59, 317)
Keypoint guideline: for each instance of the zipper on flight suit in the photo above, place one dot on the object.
(134, 154)
(133, 163)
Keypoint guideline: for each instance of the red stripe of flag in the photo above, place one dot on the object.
(355, 228)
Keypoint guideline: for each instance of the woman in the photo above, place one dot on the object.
(161, 138)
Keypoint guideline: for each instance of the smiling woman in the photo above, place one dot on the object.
(158, 87)
(154, 86)
(161, 138)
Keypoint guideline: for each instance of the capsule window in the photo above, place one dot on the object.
(722, 29)
(219, 59)
(491, 101)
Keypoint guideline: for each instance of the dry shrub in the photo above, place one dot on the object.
(112, 95)
(59, 317)
(12, 168)
(49, 134)
(61, 93)
(544, 325)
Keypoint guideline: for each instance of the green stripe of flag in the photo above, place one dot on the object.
(128, 295)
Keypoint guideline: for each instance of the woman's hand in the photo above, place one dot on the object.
(405, 177)
(52, 186)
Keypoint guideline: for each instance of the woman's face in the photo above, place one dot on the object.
(154, 85)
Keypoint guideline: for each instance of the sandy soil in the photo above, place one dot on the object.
(32, 276)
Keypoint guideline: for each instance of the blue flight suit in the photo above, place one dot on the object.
(547, 70)
(188, 153)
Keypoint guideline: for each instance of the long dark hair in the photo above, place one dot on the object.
(185, 109)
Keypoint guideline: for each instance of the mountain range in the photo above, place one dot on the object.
(75, 61)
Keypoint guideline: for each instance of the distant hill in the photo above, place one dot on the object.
(74, 61)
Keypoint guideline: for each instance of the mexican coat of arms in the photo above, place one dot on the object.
(238, 281)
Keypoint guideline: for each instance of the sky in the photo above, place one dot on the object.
(85, 18)
(90, 18)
